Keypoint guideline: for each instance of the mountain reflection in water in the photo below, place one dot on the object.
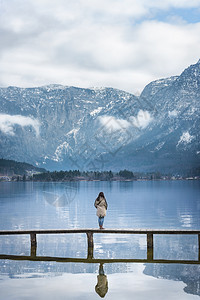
(188, 274)
(134, 284)
(185, 273)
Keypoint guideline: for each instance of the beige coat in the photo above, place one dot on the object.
(101, 206)
(102, 285)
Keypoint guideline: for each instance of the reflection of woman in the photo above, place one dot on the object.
(101, 206)
(102, 283)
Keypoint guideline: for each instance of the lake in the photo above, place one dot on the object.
(137, 204)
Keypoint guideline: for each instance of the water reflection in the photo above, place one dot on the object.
(65, 285)
(131, 205)
(184, 271)
(60, 194)
(101, 287)
(188, 274)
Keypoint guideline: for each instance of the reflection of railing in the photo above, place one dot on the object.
(89, 233)
(96, 260)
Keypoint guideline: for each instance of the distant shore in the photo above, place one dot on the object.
(7, 179)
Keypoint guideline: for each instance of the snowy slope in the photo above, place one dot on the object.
(171, 141)
(61, 127)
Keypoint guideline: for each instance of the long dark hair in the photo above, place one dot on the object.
(101, 194)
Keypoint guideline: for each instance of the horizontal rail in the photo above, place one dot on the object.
(92, 230)
(96, 260)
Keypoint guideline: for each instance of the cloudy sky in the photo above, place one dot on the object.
(120, 43)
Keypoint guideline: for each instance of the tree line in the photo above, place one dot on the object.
(83, 175)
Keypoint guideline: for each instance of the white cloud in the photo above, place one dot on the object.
(142, 120)
(113, 124)
(94, 42)
(7, 123)
(81, 285)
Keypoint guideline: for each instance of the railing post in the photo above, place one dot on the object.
(90, 244)
(199, 245)
(149, 246)
(33, 244)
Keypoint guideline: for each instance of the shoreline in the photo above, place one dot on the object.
(96, 180)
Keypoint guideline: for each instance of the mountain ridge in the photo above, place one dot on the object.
(11, 167)
(63, 127)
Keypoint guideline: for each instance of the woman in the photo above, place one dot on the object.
(102, 282)
(101, 206)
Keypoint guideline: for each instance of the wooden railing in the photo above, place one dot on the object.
(89, 232)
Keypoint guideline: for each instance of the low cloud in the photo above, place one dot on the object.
(113, 124)
(141, 121)
(7, 123)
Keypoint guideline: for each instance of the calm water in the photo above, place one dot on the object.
(156, 204)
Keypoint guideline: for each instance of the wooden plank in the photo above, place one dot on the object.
(199, 244)
(95, 261)
(150, 246)
(33, 244)
(90, 244)
(87, 230)
(33, 239)
(33, 250)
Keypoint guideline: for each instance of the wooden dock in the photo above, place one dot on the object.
(90, 232)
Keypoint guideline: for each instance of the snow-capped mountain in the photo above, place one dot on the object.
(171, 141)
(61, 127)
